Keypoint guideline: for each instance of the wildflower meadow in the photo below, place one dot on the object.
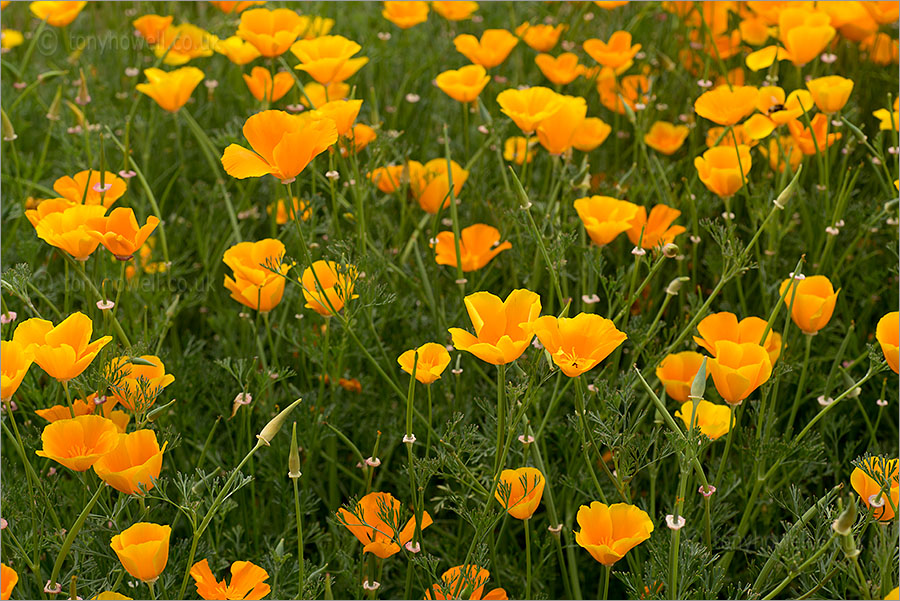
(449, 300)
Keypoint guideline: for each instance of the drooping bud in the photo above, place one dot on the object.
(675, 285)
(271, 429)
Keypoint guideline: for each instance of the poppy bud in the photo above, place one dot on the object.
(675, 285)
(294, 456)
(53, 112)
(843, 525)
(789, 190)
(83, 96)
(271, 429)
(9, 134)
(670, 250)
(698, 386)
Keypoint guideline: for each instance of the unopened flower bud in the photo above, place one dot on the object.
(786, 194)
(271, 429)
(9, 134)
(675, 285)
(55, 106)
(294, 456)
(83, 96)
(843, 525)
(698, 386)
(670, 250)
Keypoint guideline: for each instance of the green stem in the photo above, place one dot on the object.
(70, 537)
(798, 396)
(301, 577)
(501, 413)
(528, 559)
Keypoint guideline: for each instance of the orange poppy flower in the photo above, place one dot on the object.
(608, 532)
(721, 171)
(713, 420)
(540, 37)
(8, 580)
(432, 361)
(283, 215)
(57, 14)
(888, 335)
(458, 10)
(233, 7)
(888, 120)
(357, 139)
(315, 94)
(137, 385)
(389, 179)
(271, 31)
(254, 284)
(605, 217)
(143, 550)
(266, 88)
(830, 93)
(79, 442)
(367, 524)
(464, 580)
(134, 463)
(666, 137)
(501, 327)
(463, 84)
(152, 27)
(490, 51)
(874, 492)
(804, 33)
(813, 301)
(557, 132)
(518, 150)
(614, 94)
(725, 326)
(738, 369)
(592, 133)
(814, 139)
(520, 491)
(85, 188)
(120, 232)
(314, 26)
(179, 44)
(617, 54)
(780, 149)
(342, 112)
(283, 145)
(64, 350)
(58, 412)
(657, 229)
(405, 14)
(763, 58)
(577, 344)
(528, 107)
(560, 70)
(327, 58)
(68, 230)
(430, 183)
(15, 359)
(237, 50)
(478, 244)
(328, 285)
(171, 90)
(247, 581)
(677, 372)
(727, 106)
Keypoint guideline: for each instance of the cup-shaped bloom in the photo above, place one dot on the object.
(179, 44)
(85, 187)
(608, 532)
(143, 550)
(69, 230)
(814, 139)
(8, 580)
(430, 183)
(15, 359)
(79, 407)
(501, 327)
(782, 152)
(592, 133)
(577, 344)
(463, 84)
(234, 7)
(342, 112)
(464, 582)
(373, 522)
(151, 27)
(10, 38)
(135, 462)
(560, 70)
(813, 301)
(518, 150)
(889, 338)
(171, 90)
(540, 37)
(888, 120)
(528, 107)
(390, 178)
(328, 285)
(605, 217)
(616, 93)
(478, 244)
(738, 369)
(713, 420)
(328, 58)
(725, 326)
(120, 232)
(721, 171)
(247, 581)
(266, 88)
(804, 33)
(254, 284)
(237, 50)
(771, 102)
(727, 106)
(283, 213)
(405, 14)
(65, 350)
(677, 372)
(433, 359)
(557, 132)
(79, 442)
(830, 93)
(359, 136)
(283, 144)
(454, 11)
(271, 31)
(489, 51)
(520, 491)
(58, 14)
(615, 53)
(881, 494)
(137, 385)
(657, 229)
(665, 137)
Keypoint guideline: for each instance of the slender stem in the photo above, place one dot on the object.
(70, 537)
(798, 396)
(731, 428)
(676, 534)
(301, 577)
(528, 559)
(606, 571)
(501, 413)
(579, 408)
(150, 585)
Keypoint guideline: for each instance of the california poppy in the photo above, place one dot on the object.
(405, 14)
(254, 284)
(463, 84)
(830, 93)
(617, 53)
(665, 137)
(171, 90)
(79, 442)
(271, 31)
(556, 133)
(64, 350)
(725, 326)
(813, 299)
(265, 87)
(541, 37)
(713, 420)
(247, 581)
(454, 11)
(562, 69)
(804, 33)
(430, 183)
(464, 582)
(237, 50)
(328, 285)
(726, 106)
(888, 335)
(327, 58)
(478, 245)
(15, 359)
(137, 384)
(518, 150)
(133, 463)
(608, 532)
(85, 187)
(520, 491)
(432, 360)
(489, 51)
(57, 14)
(605, 217)
(677, 372)
(592, 132)
(283, 214)
(367, 523)
(151, 27)
(577, 344)
(738, 369)
(120, 232)
(501, 327)
(8, 580)
(233, 7)
(722, 169)
(657, 229)
(179, 44)
(143, 549)
(342, 112)
(881, 495)
(528, 107)
(813, 139)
